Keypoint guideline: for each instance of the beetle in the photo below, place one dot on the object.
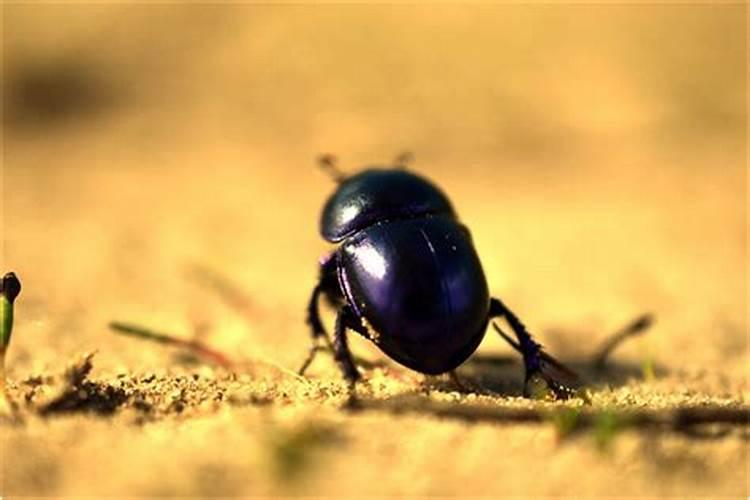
(405, 275)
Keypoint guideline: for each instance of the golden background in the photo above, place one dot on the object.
(156, 156)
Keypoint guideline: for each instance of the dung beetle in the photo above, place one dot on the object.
(405, 276)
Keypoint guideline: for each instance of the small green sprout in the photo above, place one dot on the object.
(566, 422)
(294, 451)
(607, 426)
(10, 287)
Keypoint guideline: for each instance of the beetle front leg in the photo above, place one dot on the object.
(544, 374)
(327, 285)
(341, 353)
(316, 329)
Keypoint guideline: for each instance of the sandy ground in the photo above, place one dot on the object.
(158, 169)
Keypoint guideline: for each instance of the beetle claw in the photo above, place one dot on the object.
(546, 377)
(460, 385)
(546, 382)
(352, 401)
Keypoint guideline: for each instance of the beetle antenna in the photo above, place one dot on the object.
(403, 160)
(329, 163)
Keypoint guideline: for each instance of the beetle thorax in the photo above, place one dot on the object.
(377, 195)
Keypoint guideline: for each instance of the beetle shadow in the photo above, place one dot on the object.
(504, 374)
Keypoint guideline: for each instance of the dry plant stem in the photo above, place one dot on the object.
(196, 347)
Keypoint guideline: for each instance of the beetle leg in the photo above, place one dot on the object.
(460, 385)
(327, 286)
(544, 374)
(317, 329)
(341, 353)
(345, 318)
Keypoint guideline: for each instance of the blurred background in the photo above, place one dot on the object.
(159, 169)
(159, 165)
